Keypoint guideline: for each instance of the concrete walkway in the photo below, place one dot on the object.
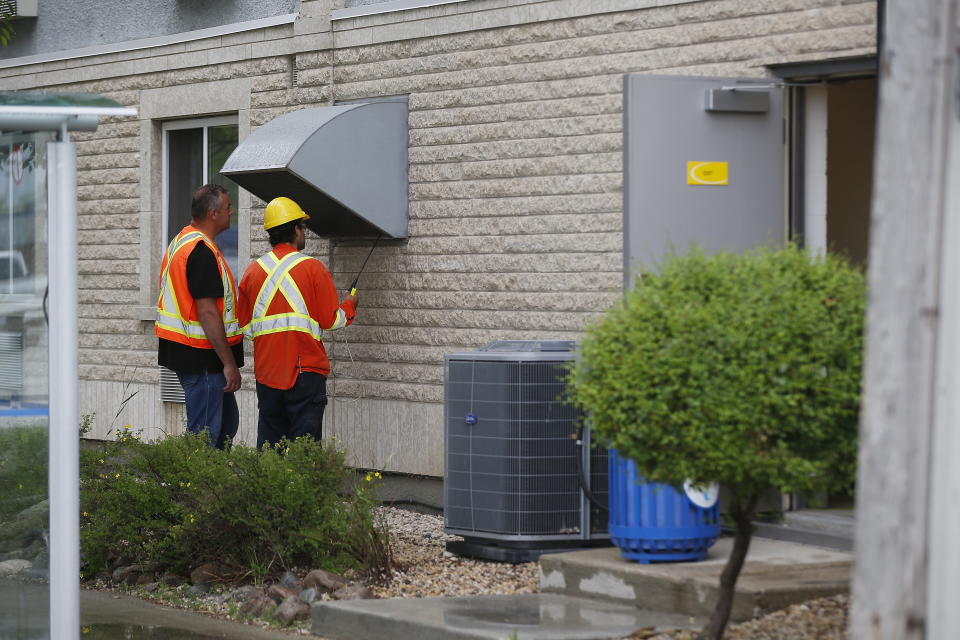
(24, 613)
(776, 574)
(525, 616)
(596, 594)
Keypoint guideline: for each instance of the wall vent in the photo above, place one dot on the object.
(170, 389)
(11, 362)
(19, 8)
(511, 458)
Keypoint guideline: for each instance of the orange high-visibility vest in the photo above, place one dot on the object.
(279, 282)
(177, 317)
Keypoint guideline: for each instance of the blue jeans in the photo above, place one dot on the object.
(292, 413)
(208, 407)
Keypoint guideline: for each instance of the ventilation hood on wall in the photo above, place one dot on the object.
(345, 165)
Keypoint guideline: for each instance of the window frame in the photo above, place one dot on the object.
(187, 123)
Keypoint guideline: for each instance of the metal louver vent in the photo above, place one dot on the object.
(19, 8)
(170, 389)
(11, 361)
(511, 458)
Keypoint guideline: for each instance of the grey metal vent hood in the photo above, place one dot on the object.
(345, 165)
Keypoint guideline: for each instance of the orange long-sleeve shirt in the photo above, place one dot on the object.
(278, 358)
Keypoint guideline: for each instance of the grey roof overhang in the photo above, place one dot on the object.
(835, 69)
(345, 165)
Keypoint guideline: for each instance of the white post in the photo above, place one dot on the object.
(905, 583)
(943, 614)
(64, 393)
(815, 170)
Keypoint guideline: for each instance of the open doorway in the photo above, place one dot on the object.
(833, 123)
(832, 157)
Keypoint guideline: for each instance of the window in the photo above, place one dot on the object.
(193, 154)
(20, 222)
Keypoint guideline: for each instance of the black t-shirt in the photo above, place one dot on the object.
(203, 281)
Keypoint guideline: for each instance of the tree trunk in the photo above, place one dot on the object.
(742, 514)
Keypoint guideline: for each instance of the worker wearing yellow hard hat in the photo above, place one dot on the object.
(286, 301)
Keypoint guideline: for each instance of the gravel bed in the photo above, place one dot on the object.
(425, 569)
(822, 619)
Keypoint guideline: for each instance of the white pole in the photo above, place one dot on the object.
(905, 580)
(943, 615)
(64, 392)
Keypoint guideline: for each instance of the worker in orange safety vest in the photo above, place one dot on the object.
(287, 300)
(199, 335)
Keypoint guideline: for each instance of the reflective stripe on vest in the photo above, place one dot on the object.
(170, 317)
(279, 281)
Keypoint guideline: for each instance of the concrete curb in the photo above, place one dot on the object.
(776, 574)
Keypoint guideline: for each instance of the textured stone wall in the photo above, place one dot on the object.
(515, 156)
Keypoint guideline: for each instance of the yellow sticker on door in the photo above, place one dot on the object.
(713, 174)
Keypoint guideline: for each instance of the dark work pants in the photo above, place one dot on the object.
(294, 412)
(208, 407)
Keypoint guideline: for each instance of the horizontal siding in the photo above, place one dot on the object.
(515, 190)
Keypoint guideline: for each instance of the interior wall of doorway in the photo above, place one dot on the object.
(835, 151)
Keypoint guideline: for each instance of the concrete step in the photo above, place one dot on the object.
(525, 616)
(775, 575)
(831, 528)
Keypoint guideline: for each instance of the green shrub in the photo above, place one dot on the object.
(739, 369)
(23, 468)
(177, 503)
(742, 369)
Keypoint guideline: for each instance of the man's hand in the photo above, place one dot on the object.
(355, 298)
(232, 374)
(212, 322)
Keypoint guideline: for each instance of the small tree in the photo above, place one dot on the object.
(739, 369)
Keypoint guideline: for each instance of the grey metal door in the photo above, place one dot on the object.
(704, 163)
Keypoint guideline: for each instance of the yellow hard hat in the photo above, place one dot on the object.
(280, 211)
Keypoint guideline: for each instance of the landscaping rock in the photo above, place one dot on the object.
(308, 596)
(35, 574)
(29, 525)
(324, 581)
(145, 578)
(245, 592)
(210, 572)
(12, 567)
(150, 587)
(198, 589)
(172, 580)
(290, 580)
(257, 604)
(353, 592)
(292, 609)
(124, 575)
(279, 594)
(42, 560)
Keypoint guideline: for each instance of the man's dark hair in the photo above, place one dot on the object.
(205, 198)
(285, 232)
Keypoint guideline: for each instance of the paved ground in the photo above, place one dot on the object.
(525, 616)
(24, 613)
(776, 574)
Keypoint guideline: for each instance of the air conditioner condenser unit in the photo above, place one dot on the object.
(518, 481)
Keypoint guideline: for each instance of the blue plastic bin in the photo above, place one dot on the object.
(652, 522)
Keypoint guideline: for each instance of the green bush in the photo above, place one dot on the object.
(737, 369)
(741, 369)
(177, 503)
(23, 468)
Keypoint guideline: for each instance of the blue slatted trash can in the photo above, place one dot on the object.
(652, 522)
